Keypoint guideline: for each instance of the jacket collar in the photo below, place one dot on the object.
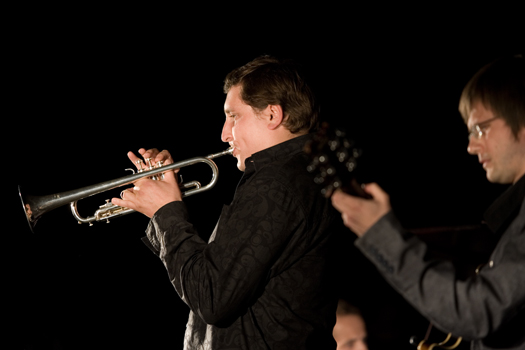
(280, 151)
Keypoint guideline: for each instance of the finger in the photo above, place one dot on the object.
(164, 157)
(150, 153)
(132, 157)
(345, 220)
(169, 176)
(344, 202)
(124, 203)
(127, 192)
(127, 198)
(139, 164)
(336, 198)
(377, 192)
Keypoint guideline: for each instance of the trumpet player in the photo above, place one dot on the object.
(262, 281)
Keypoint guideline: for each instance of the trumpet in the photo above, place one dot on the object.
(35, 206)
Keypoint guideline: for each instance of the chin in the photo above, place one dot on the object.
(240, 165)
(498, 178)
(491, 177)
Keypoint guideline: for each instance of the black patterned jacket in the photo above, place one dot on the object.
(263, 280)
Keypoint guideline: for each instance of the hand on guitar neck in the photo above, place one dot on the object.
(334, 162)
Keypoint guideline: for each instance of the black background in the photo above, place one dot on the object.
(85, 86)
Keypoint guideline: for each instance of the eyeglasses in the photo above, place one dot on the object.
(478, 130)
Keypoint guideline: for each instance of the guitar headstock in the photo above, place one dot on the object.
(334, 161)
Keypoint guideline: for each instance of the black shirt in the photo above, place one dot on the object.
(262, 282)
(504, 209)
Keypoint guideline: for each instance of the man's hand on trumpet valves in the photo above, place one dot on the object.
(153, 154)
(147, 196)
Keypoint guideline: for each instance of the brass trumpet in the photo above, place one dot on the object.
(36, 206)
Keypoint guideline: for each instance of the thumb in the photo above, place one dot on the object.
(377, 192)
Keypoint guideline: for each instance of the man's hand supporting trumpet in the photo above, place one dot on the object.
(148, 196)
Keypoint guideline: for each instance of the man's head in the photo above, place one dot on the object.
(493, 107)
(349, 331)
(267, 102)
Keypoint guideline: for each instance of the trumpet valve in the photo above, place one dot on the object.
(139, 164)
(161, 175)
(150, 166)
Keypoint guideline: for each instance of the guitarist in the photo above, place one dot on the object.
(489, 308)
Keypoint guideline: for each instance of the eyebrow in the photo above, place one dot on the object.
(488, 121)
(229, 111)
(483, 123)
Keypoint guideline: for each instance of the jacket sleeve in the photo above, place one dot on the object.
(472, 308)
(218, 280)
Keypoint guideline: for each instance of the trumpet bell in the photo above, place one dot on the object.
(28, 211)
(35, 206)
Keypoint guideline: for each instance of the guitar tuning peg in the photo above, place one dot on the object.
(351, 164)
(340, 133)
(330, 171)
(323, 158)
(333, 144)
(327, 191)
(357, 152)
(342, 155)
(319, 180)
(314, 164)
(348, 143)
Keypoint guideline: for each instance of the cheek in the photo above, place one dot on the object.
(238, 132)
(495, 151)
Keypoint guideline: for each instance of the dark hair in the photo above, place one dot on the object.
(500, 87)
(269, 81)
(345, 308)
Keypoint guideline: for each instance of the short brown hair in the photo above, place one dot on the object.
(345, 308)
(269, 81)
(500, 87)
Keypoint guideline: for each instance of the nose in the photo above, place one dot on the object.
(226, 135)
(474, 146)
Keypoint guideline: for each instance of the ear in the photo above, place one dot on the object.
(276, 116)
